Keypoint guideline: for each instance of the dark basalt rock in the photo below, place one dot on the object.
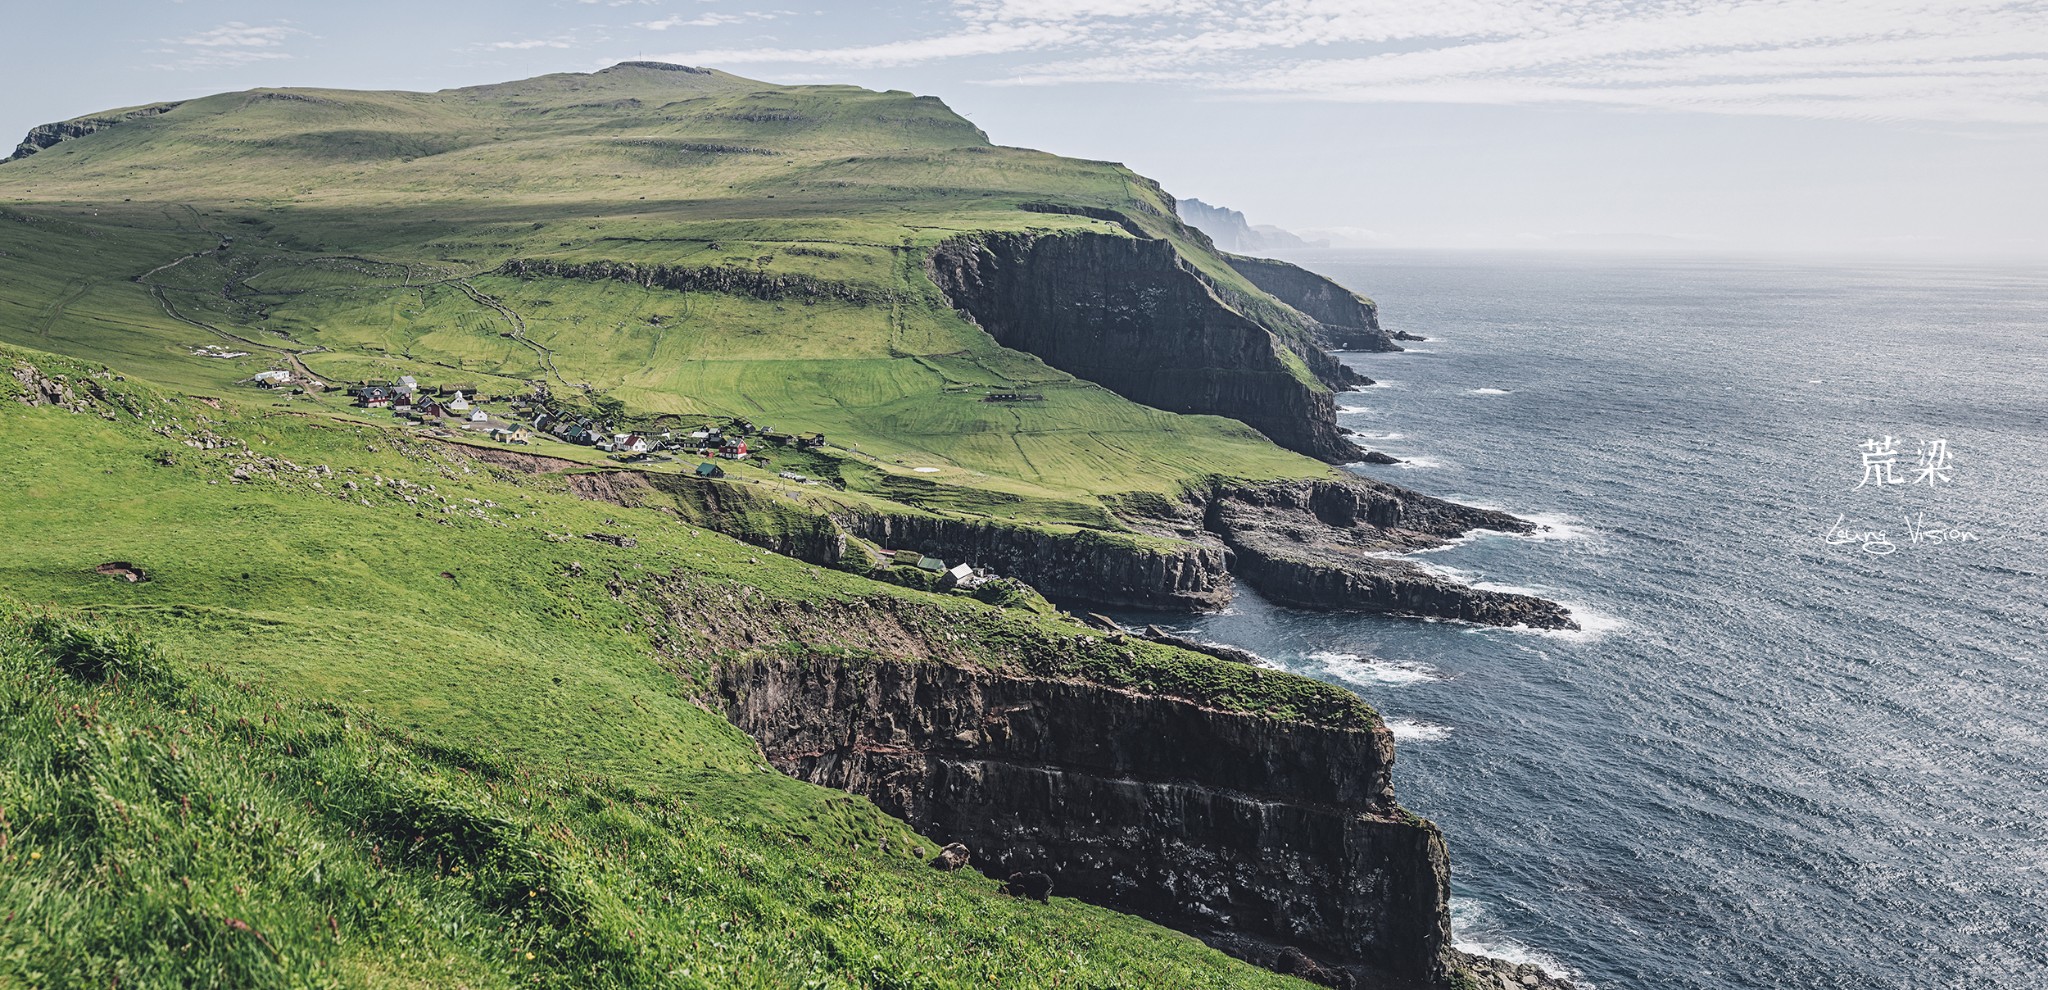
(1405, 335)
(952, 857)
(1375, 457)
(1075, 567)
(1030, 884)
(728, 279)
(1253, 833)
(1321, 544)
(1346, 320)
(1131, 315)
(1217, 650)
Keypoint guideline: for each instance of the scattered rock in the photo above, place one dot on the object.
(614, 539)
(1217, 650)
(1032, 884)
(1375, 457)
(1102, 622)
(124, 570)
(952, 857)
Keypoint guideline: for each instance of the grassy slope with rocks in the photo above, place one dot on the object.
(373, 692)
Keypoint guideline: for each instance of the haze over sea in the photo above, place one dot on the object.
(1771, 760)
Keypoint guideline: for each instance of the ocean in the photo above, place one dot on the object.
(1800, 509)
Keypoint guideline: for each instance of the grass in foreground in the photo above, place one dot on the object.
(170, 827)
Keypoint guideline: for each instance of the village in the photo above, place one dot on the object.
(531, 417)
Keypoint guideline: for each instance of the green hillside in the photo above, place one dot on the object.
(338, 687)
(357, 232)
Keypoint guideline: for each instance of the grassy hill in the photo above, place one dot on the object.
(359, 233)
(373, 692)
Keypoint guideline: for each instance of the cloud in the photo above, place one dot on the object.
(1947, 60)
(526, 44)
(233, 43)
(713, 19)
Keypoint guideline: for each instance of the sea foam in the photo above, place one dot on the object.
(1416, 730)
(1471, 931)
(1357, 669)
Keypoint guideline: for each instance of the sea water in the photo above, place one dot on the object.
(1802, 740)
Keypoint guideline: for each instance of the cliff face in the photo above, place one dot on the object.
(47, 135)
(1084, 567)
(1257, 834)
(1128, 314)
(1232, 232)
(1347, 320)
(731, 279)
(1322, 544)
(1325, 545)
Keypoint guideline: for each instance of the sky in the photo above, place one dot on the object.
(1909, 128)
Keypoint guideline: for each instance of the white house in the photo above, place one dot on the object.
(479, 416)
(458, 403)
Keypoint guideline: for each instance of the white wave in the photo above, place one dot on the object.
(1380, 436)
(1593, 624)
(1365, 670)
(1414, 730)
(1421, 463)
(1488, 391)
(1555, 526)
(1358, 409)
(1470, 932)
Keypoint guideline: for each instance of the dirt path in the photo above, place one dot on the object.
(55, 311)
(546, 354)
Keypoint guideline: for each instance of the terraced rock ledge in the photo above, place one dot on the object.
(1275, 837)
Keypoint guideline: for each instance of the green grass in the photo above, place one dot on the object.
(364, 226)
(170, 828)
(350, 687)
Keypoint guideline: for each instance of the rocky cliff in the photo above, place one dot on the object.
(1086, 567)
(1231, 231)
(1330, 546)
(1276, 839)
(48, 135)
(1129, 314)
(1345, 319)
(1325, 544)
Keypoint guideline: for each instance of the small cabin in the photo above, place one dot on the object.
(710, 470)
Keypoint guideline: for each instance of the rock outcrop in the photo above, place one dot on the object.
(1345, 320)
(49, 135)
(1130, 314)
(1328, 545)
(729, 279)
(1086, 567)
(1325, 544)
(1272, 839)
